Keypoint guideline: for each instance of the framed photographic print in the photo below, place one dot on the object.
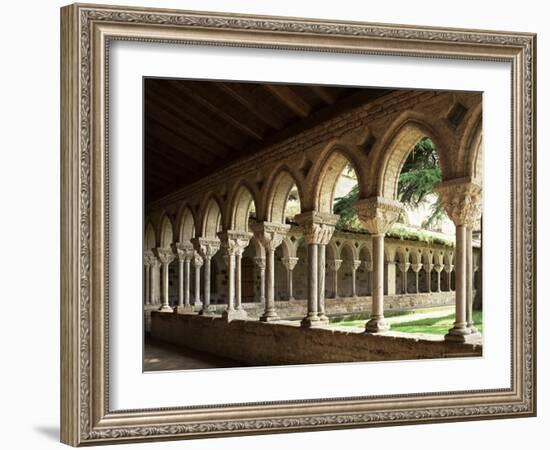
(276, 224)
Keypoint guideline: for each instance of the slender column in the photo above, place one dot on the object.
(238, 281)
(184, 252)
(377, 214)
(197, 264)
(148, 261)
(469, 282)
(354, 265)
(181, 261)
(416, 269)
(207, 248)
(318, 229)
(428, 267)
(270, 235)
(462, 201)
(186, 295)
(438, 268)
(155, 281)
(290, 262)
(260, 264)
(368, 267)
(390, 278)
(165, 256)
(448, 270)
(404, 268)
(335, 265)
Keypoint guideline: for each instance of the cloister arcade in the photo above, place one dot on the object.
(227, 244)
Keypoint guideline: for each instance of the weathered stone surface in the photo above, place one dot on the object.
(254, 342)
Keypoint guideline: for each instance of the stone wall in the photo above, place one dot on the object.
(257, 343)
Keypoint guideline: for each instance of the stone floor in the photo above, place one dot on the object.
(163, 356)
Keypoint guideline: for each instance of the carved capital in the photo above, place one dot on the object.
(290, 262)
(354, 265)
(404, 267)
(149, 258)
(197, 261)
(416, 267)
(260, 262)
(234, 242)
(270, 235)
(165, 255)
(448, 268)
(206, 247)
(428, 267)
(378, 214)
(184, 250)
(438, 267)
(317, 227)
(461, 200)
(334, 264)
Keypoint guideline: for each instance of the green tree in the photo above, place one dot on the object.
(417, 181)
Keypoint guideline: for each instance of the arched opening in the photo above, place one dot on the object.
(187, 227)
(243, 209)
(166, 233)
(211, 222)
(284, 200)
(364, 281)
(149, 238)
(346, 277)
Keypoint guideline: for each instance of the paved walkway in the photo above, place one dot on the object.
(163, 356)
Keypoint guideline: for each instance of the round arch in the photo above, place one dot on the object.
(150, 241)
(241, 205)
(166, 232)
(211, 218)
(186, 225)
(277, 195)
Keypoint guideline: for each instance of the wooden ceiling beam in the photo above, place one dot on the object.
(328, 95)
(216, 129)
(218, 110)
(290, 99)
(167, 152)
(255, 105)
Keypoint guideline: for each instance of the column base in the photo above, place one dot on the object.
(184, 309)
(323, 319)
(166, 308)
(269, 316)
(234, 314)
(375, 326)
(459, 334)
(311, 322)
(206, 311)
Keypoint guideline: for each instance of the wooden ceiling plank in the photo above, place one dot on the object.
(328, 95)
(288, 98)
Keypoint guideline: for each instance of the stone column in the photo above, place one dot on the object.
(260, 264)
(377, 214)
(354, 265)
(184, 251)
(318, 229)
(404, 268)
(462, 201)
(416, 269)
(448, 269)
(290, 263)
(270, 235)
(187, 288)
(469, 281)
(428, 267)
(438, 268)
(148, 258)
(233, 244)
(335, 265)
(368, 268)
(197, 264)
(155, 281)
(390, 277)
(166, 256)
(207, 248)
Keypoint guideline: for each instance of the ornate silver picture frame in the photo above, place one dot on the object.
(87, 32)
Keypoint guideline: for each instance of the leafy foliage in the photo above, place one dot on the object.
(416, 185)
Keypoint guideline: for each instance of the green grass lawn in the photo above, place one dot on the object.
(427, 320)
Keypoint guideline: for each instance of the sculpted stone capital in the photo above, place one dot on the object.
(438, 267)
(428, 267)
(416, 267)
(334, 264)
(461, 200)
(378, 214)
(290, 262)
(354, 265)
(317, 227)
(404, 267)
(165, 255)
(149, 258)
(448, 268)
(269, 234)
(206, 247)
(260, 262)
(184, 250)
(234, 242)
(197, 261)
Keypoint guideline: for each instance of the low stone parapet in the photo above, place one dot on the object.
(258, 343)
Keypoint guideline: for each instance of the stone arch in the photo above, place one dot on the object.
(241, 204)
(277, 195)
(349, 248)
(287, 247)
(364, 253)
(149, 237)
(468, 155)
(186, 225)
(325, 176)
(166, 238)
(332, 250)
(211, 218)
(393, 150)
